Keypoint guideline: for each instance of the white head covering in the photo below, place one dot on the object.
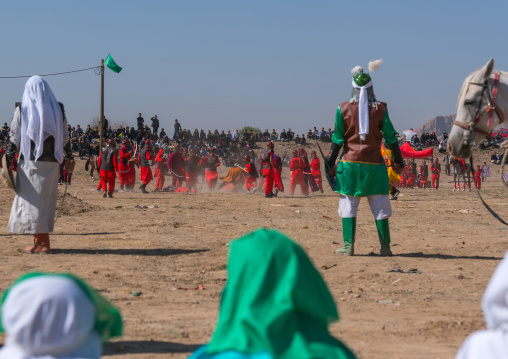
(493, 342)
(363, 109)
(49, 317)
(41, 117)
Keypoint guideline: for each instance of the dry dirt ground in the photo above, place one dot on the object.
(179, 242)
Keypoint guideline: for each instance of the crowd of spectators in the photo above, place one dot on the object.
(427, 139)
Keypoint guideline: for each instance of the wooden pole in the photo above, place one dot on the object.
(102, 106)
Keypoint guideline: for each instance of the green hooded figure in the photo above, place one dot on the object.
(275, 305)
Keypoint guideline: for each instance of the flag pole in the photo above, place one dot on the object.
(102, 106)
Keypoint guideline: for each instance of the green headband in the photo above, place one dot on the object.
(108, 321)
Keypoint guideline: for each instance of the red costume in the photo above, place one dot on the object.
(159, 170)
(145, 155)
(478, 178)
(436, 170)
(124, 173)
(463, 166)
(132, 173)
(191, 171)
(108, 164)
(250, 181)
(296, 167)
(315, 166)
(211, 162)
(268, 170)
(176, 167)
(424, 175)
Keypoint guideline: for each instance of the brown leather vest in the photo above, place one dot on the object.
(368, 151)
(108, 154)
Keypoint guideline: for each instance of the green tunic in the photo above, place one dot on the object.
(361, 171)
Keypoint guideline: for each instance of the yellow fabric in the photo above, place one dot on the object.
(235, 175)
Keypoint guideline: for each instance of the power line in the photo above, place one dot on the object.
(58, 73)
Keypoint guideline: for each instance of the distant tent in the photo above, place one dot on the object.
(409, 152)
(409, 134)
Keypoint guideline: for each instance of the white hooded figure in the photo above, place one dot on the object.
(51, 316)
(491, 343)
(39, 131)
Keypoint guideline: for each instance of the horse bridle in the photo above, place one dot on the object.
(490, 109)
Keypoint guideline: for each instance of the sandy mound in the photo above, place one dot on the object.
(72, 205)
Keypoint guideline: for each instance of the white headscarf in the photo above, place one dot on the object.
(363, 109)
(49, 317)
(493, 342)
(41, 117)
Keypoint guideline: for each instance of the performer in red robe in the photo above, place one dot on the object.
(307, 172)
(315, 166)
(132, 178)
(424, 174)
(463, 167)
(436, 170)
(277, 175)
(176, 167)
(159, 171)
(296, 167)
(191, 171)
(124, 173)
(145, 155)
(478, 178)
(108, 164)
(267, 167)
(211, 162)
(252, 175)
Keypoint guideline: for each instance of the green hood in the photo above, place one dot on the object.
(275, 301)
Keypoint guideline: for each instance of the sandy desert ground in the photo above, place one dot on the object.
(180, 241)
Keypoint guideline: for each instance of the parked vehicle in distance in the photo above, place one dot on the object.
(503, 132)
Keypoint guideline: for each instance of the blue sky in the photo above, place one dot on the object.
(269, 64)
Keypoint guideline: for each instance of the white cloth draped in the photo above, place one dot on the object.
(49, 317)
(41, 117)
(363, 109)
(34, 206)
(493, 342)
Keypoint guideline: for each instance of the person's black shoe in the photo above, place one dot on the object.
(270, 195)
(110, 195)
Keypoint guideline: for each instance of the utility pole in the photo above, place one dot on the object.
(102, 106)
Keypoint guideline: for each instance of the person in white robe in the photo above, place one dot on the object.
(39, 131)
(491, 343)
(56, 316)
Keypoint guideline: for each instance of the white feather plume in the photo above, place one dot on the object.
(356, 70)
(374, 65)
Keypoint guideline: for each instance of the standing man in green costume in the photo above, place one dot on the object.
(360, 125)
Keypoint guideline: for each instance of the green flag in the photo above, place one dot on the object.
(112, 64)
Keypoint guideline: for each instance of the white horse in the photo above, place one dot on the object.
(483, 101)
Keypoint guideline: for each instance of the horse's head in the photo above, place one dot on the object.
(473, 100)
